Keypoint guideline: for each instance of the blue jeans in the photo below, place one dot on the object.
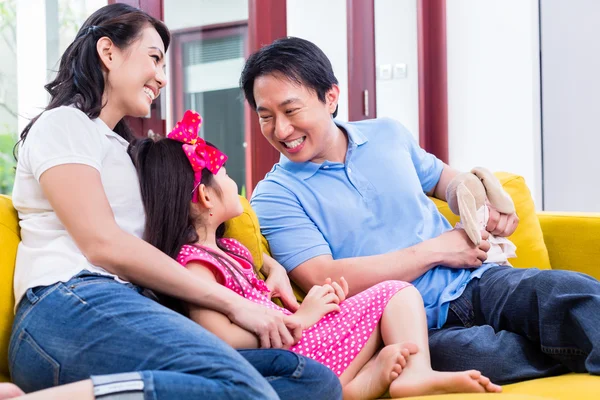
(516, 324)
(93, 325)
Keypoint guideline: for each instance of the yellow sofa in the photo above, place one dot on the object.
(545, 240)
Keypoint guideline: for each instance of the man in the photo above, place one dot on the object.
(350, 199)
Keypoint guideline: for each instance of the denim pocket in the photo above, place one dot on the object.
(31, 367)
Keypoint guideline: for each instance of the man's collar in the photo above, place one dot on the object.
(307, 169)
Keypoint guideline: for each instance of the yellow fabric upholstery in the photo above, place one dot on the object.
(573, 241)
(246, 230)
(9, 239)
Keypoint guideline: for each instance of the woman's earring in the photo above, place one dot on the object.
(210, 214)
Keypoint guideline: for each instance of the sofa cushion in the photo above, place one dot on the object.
(9, 237)
(246, 230)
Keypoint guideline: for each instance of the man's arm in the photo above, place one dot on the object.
(439, 191)
(452, 249)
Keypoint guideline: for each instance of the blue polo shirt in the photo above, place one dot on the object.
(374, 203)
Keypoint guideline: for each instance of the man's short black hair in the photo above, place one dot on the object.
(297, 59)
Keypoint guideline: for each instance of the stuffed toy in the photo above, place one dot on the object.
(466, 196)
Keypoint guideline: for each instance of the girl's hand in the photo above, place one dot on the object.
(278, 283)
(319, 301)
(341, 289)
(272, 327)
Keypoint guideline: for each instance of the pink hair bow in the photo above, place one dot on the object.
(200, 154)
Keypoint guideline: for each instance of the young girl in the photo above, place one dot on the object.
(188, 196)
(82, 266)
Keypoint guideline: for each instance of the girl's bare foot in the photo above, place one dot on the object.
(9, 391)
(415, 382)
(374, 380)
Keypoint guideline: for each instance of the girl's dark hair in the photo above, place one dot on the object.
(166, 183)
(79, 80)
(296, 59)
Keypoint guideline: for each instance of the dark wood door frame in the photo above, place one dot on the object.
(361, 59)
(266, 22)
(433, 77)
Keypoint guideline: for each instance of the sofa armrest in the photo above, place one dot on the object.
(573, 241)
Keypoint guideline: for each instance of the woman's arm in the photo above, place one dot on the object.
(215, 321)
(278, 283)
(76, 194)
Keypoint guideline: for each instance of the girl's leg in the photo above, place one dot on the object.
(404, 320)
(373, 369)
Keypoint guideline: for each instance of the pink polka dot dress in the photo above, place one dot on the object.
(333, 341)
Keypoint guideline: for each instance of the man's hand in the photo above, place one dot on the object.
(456, 250)
(279, 285)
(500, 224)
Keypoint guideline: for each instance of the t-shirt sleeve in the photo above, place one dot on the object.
(428, 167)
(66, 136)
(293, 237)
(190, 254)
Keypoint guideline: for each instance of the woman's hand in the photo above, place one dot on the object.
(319, 301)
(278, 283)
(273, 328)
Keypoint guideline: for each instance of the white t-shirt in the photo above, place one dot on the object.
(65, 135)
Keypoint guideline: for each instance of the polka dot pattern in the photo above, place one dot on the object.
(333, 341)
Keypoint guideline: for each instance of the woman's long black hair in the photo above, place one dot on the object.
(80, 81)
(166, 183)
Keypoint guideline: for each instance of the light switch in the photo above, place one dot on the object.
(399, 71)
(384, 72)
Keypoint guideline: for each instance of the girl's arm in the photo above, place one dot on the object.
(215, 321)
(76, 194)
(319, 301)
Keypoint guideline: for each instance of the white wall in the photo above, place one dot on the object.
(327, 29)
(396, 43)
(570, 65)
(493, 87)
(32, 63)
(42, 36)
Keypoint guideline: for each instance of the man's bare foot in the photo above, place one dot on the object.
(9, 391)
(415, 382)
(374, 380)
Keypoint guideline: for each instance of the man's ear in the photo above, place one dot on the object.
(106, 52)
(332, 98)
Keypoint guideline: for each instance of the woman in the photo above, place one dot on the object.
(81, 266)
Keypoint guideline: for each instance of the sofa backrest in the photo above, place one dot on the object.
(9, 240)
